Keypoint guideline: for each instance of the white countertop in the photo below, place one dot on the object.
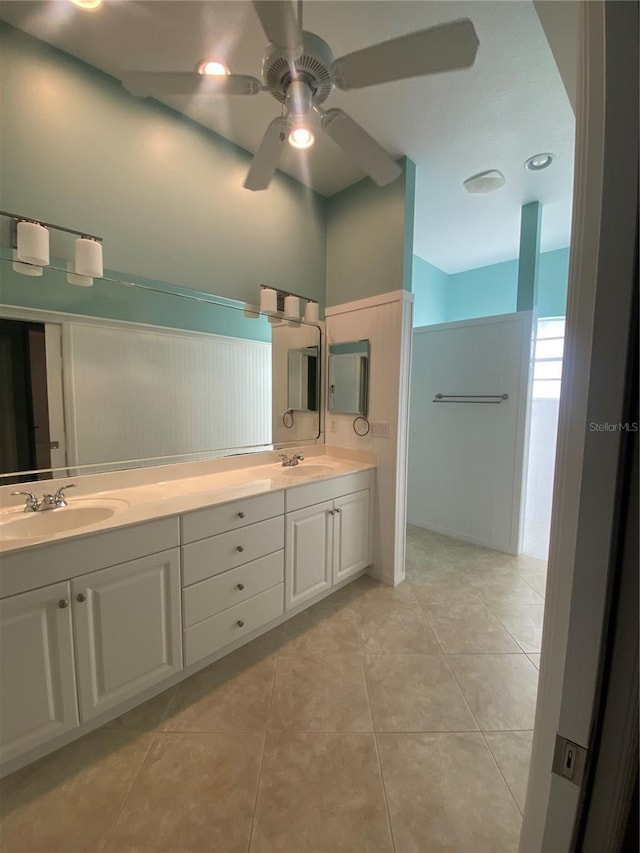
(139, 503)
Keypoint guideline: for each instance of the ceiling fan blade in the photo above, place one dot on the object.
(146, 83)
(280, 23)
(362, 148)
(266, 157)
(442, 48)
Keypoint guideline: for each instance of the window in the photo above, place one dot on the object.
(547, 358)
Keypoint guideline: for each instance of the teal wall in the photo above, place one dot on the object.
(430, 290)
(485, 291)
(165, 193)
(158, 304)
(370, 238)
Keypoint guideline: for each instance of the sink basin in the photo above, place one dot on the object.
(303, 470)
(35, 525)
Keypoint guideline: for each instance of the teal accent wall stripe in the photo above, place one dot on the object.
(409, 222)
(528, 265)
(166, 305)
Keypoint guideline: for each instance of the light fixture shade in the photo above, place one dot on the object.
(88, 257)
(268, 300)
(24, 269)
(32, 243)
(292, 307)
(78, 280)
(311, 312)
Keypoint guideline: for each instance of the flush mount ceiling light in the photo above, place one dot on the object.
(301, 137)
(484, 182)
(87, 5)
(212, 68)
(539, 162)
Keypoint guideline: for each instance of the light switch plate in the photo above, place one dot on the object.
(380, 428)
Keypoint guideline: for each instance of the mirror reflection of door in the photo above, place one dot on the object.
(349, 377)
(24, 407)
(302, 379)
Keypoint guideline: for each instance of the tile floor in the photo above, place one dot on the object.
(381, 719)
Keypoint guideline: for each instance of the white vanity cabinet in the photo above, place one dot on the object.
(233, 579)
(37, 679)
(127, 630)
(327, 542)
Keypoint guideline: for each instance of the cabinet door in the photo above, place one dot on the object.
(351, 535)
(308, 553)
(128, 630)
(37, 680)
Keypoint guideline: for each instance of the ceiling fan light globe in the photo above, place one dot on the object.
(213, 68)
(301, 137)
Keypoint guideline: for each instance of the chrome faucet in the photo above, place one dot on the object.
(47, 501)
(289, 463)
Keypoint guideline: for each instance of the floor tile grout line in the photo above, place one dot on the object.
(375, 741)
(466, 701)
(497, 763)
(509, 632)
(152, 741)
(264, 746)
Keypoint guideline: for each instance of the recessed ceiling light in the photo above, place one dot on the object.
(212, 68)
(539, 162)
(87, 5)
(301, 137)
(484, 182)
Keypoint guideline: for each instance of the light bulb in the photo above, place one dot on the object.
(87, 5)
(301, 137)
(213, 68)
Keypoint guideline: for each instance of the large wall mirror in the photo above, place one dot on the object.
(125, 374)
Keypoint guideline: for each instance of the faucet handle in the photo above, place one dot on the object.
(59, 495)
(31, 500)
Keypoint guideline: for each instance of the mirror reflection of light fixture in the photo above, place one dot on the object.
(74, 278)
(89, 257)
(25, 269)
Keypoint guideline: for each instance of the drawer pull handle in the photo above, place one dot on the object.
(64, 602)
(81, 597)
(240, 548)
(241, 586)
(240, 623)
(240, 515)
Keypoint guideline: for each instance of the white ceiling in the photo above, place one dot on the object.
(509, 105)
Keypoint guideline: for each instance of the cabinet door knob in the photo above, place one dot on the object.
(331, 511)
(240, 515)
(81, 597)
(64, 602)
(240, 548)
(240, 586)
(240, 623)
(337, 509)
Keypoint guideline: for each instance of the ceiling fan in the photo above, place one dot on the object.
(300, 72)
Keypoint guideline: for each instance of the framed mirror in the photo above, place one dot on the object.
(349, 378)
(82, 389)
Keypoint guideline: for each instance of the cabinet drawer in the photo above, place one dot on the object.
(326, 490)
(209, 557)
(209, 597)
(232, 624)
(231, 516)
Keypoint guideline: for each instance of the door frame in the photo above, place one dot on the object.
(594, 391)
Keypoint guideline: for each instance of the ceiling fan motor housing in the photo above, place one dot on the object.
(313, 67)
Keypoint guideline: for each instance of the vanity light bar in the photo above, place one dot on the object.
(274, 300)
(30, 242)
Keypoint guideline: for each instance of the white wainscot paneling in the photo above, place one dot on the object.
(162, 393)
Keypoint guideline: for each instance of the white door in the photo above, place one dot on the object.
(350, 535)
(308, 553)
(128, 629)
(37, 679)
